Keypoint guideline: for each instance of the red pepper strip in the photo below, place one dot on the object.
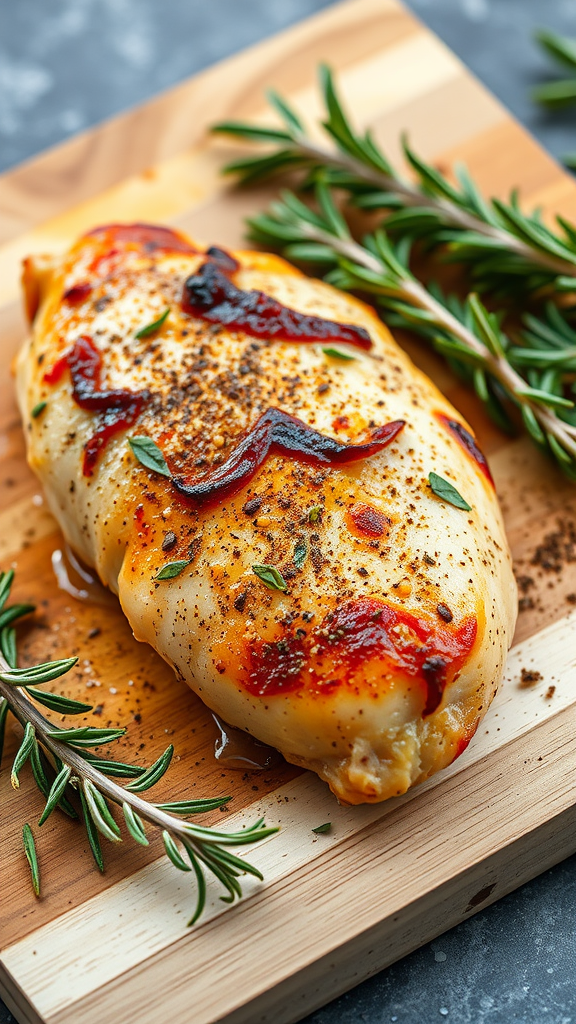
(279, 433)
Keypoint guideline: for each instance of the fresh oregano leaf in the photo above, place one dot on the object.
(172, 569)
(444, 490)
(149, 454)
(270, 576)
(149, 329)
(320, 830)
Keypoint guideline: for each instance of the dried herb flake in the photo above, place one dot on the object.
(320, 830)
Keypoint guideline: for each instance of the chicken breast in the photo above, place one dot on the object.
(243, 454)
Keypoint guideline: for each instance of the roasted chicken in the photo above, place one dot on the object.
(244, 456)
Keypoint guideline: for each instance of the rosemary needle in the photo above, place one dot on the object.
(467, 334)
(504, 246)
(189, 846)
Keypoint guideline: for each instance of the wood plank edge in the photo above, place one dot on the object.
(259, 998)
(379, 947)
(20, 1007)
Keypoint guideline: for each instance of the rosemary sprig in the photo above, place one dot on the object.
(560, 92)
(505, 247)
(62, 764)
(467, 334)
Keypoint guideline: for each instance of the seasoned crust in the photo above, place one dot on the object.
(341, 671)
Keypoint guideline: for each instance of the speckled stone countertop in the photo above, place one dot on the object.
(66, 64)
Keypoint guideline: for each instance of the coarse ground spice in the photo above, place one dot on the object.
(529, 677)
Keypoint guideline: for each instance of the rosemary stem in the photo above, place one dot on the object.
(413, 197)
(417, 295)
(25, 711)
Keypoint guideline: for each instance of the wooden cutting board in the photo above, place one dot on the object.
(334, 908)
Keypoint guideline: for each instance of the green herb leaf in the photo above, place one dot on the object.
(86, 736)
(54, 701)
(15, 611)
(6, 580)
(43, 673)
(56, 792)
(92, 833)
(38, 408)
(149, 454)
(321, 829)
(100, 812)
(134, 825)
(145, 332)
(172, 569)
(23, 754)
(300, 553)
(270, 576)
(8, 645)
(443, 489)
(174, 853)
(315, 513)
(336, 353)
(114, 769)
(201, 885)
(40, 770)
(30, 851)
(154, 773)
(194, 806)
(3, 716)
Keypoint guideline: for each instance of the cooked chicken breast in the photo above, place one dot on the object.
(244, 454)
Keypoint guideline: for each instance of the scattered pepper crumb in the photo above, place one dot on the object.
(529, 677)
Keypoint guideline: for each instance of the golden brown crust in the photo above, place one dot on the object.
(384, 555)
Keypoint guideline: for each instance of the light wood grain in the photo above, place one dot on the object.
(495, 819)
(110, 921)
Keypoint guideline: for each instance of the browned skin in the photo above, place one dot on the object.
(382, 558)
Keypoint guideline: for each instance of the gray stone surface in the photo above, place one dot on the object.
(66, 64)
